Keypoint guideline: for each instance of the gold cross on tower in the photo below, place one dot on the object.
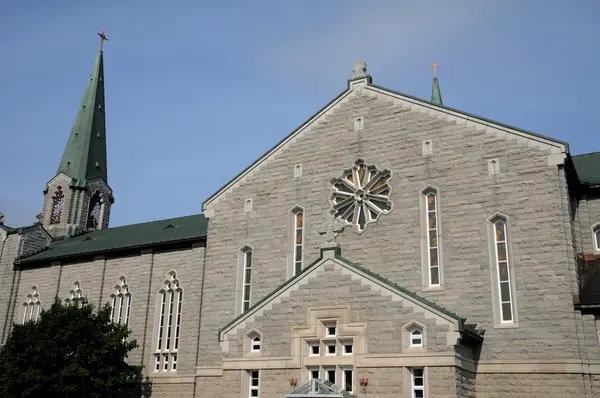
(102, 38)
(434, 66)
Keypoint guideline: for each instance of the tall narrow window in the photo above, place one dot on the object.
(348, 380)
(503, 270)
(253, 383)
(32, 305)
(58, 201)
(432, 239)
(298, 240)
(94, 209)
(596, 234)
(417, 386)
(75, 292)
(170, 300)
(247, 283)
(121, 302)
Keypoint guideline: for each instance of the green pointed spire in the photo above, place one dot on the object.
(84, 157)
(436, 95)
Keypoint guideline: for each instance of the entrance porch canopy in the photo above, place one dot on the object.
(319, 388)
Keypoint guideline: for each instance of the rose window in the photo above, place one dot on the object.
(361, 194)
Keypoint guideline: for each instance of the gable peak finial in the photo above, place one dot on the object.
(103, 38)
(359, 69)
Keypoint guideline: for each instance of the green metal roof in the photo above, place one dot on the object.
(587, 166)
(84, 157)
(147, 234)
(436, 95)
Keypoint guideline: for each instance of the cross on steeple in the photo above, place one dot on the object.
(102, 38)
(434, 66)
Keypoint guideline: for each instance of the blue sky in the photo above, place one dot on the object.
(197, 90)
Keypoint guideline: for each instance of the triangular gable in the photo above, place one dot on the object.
(333, 255)
(557, 149)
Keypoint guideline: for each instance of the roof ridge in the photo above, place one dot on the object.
(147, 222)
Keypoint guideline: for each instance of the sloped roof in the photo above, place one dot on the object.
(319, 388)
(562, 146)
(432, 306)
(147, 234)
(587, 166)
(84, 157)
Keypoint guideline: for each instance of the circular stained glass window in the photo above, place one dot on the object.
(361, 194)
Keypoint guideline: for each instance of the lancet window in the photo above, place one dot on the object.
(247, 282)
(298, 244)
(58, 201)
(170, 301)
(503, 270)
(94, 210)
(121, 302)
(432, 238)
(32, 305)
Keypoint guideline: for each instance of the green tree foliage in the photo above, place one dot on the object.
(71, 351)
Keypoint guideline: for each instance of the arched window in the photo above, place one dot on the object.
(32, 306)
(255, 344)
(121, 302)
(503, 270)
(298, 244)
(170, 301)
(416, 338)
(94, 210)
(247, 281)
(58, 201)
(75, 292)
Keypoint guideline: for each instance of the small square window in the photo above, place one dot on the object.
(330, 349)
(314, 349)
(330, 329)
(348, 348)
(313, 373)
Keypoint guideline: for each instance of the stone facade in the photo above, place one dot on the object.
(377, 291)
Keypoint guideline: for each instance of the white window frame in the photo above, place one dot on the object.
(413, 386)
(495, 274)
(312, 369)
(334, 345)
(169, 303)
(121, 299)
(328, 325)
(298, 247)
(32, 306)
(251, 387)
(595, 233)
(427, 268)
(254, 344)
(326, 370)
(416, 332)
(346, 344)
(247, 263)
(507, 282)
(310, 349)
(344, 380)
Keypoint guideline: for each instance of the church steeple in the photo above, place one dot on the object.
(78, 198)
(436, 95)
(84, 157)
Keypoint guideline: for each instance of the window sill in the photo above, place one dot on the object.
(432, 288)
(506, 325)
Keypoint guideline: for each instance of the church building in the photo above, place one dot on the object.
(389, 246)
